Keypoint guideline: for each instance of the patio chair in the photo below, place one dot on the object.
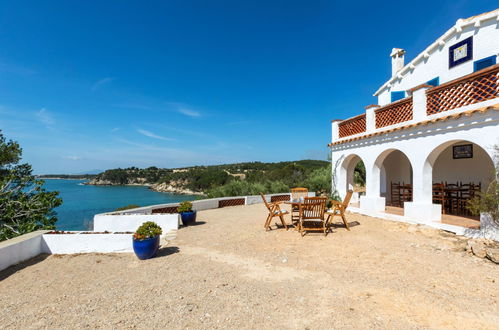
(339, 208)
(312, 215)
(438, 195)
(296, 195)
(395, 194)
(274, 211)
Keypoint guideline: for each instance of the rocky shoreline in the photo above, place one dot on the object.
(159, 187)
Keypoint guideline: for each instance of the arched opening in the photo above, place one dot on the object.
(459, 169)
(354, 177)
(395, 179)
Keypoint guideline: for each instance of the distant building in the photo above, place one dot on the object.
(436, 121)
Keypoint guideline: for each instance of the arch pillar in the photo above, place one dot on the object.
(372, 201)
(422, 208)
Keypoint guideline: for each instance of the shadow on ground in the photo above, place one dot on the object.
(20, 266)
(167, 250)
(197, 223)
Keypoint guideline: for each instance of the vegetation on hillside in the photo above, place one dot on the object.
(231, 179)
(24, 205)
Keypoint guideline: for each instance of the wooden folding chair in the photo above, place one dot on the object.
(395, 194)
(339, 208)
(297, 194)
(312, 212)
(274, 211)
(438, 195)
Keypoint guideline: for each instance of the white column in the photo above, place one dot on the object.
(422, 208)
(372, 200)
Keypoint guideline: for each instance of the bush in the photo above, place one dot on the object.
(488, 201)
(319, 180)
(147, 230)
(244, 188)
(127, 207)
(185, 207)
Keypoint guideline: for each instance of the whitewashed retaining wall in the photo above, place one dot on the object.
(21, 248)
(86, 243)
(130, 222)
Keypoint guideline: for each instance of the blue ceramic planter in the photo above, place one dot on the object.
(146, 248)
(188, 218)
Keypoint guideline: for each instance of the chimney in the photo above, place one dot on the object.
(397, 56)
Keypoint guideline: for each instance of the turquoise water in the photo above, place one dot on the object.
(81, 202)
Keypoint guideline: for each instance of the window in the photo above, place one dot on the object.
(484, 63)
(434, 81)
(397, 96)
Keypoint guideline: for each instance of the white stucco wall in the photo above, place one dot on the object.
(21, 248)
(477, 169)
(130, 222)
(86, 243)
(485, 44)
(396, 168)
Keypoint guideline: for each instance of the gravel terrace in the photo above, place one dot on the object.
(227, 272)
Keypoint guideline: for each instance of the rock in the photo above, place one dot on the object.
(493, 255)
(478, 248)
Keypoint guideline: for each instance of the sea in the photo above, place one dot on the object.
(81, 202)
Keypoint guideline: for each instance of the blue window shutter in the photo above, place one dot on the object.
(397, 96)
(434, 81)
(484, 63)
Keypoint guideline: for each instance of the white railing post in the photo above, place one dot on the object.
(335, 134)
(371, 117)
(419, 102)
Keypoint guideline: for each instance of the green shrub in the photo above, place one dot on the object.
(127, 207)
(185, 207)
(488, 201)
(245, 188)
(148, 229)
(319, 180)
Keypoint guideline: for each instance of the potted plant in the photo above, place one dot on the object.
(146, 240)
(187, 215)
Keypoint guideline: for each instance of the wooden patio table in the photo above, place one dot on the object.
(298, 204)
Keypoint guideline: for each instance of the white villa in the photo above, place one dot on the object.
(435, 127)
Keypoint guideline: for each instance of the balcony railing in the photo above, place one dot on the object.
(394, 113)
(352, 126)
(476, 87)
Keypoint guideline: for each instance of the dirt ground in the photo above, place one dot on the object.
(227, 272)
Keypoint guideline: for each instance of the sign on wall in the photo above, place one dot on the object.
(462, 151)
(461, 52)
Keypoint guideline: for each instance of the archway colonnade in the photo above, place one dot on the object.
(420, 166)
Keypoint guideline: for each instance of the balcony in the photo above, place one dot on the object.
(352, 126)
(477, 87)
(425, 102)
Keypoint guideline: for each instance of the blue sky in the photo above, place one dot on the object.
(94, 85)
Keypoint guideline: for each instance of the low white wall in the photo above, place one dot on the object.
(86, 243)
(130, 222)
(21, 248)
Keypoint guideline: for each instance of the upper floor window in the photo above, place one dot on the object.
(484, 63)
(434, 81)
(397, 96)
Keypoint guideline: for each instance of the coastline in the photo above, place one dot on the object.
(158, 187)
(59, 178)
